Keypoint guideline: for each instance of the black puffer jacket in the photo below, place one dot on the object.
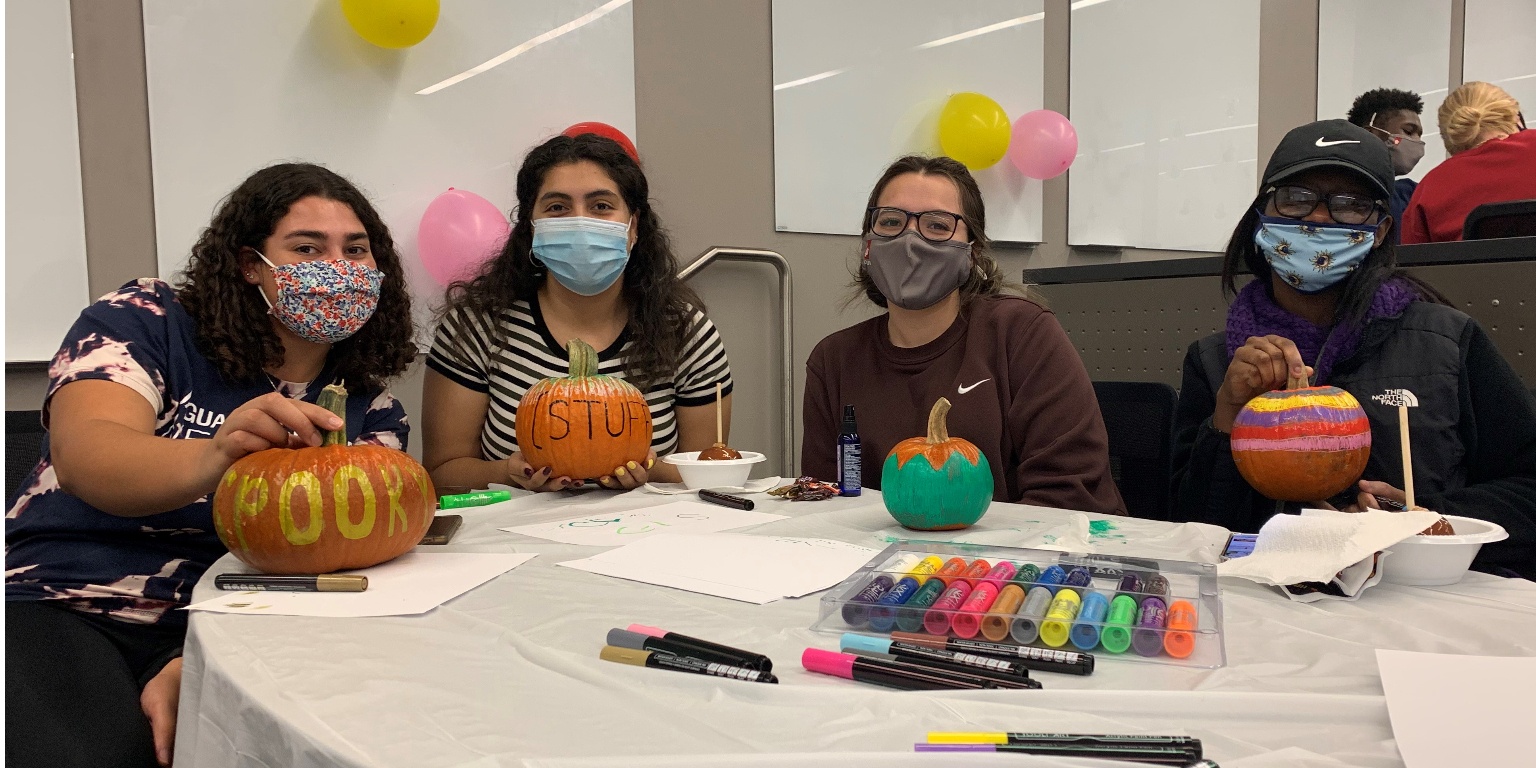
(1473, 432)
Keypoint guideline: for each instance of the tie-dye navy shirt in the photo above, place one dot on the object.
(139, 569)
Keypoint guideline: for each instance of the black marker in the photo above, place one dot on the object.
(726, 500)
(267, 583)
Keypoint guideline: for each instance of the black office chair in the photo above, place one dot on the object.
(1139, 418)
(1512, 218)
(23, 447)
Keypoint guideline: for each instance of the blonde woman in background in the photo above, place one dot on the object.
(1492, 159)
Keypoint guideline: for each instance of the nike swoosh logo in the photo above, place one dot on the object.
(1322, 143)
(964, 389)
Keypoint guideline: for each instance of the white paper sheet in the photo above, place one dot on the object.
(754, 569)
(1458, 710)
(614, 529)
(1318, 543)
(415, 582)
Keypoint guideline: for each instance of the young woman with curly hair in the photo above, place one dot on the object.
(155, 392)
(951, 329)
(587, 259)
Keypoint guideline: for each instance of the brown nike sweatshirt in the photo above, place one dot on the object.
(1018, 388)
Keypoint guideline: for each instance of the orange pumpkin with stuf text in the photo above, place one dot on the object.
(585, 425)
(318, 510)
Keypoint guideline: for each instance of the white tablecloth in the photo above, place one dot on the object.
(508, 674)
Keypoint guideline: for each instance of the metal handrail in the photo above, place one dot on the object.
(787, 364)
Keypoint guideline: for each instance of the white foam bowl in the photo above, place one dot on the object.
(1427, 561)
(713, 474)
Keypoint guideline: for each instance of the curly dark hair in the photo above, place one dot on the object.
(233, 327)
(660, 305)
(1379, 100)
(986, 278)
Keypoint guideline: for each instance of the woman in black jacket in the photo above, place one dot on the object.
(1329, 303)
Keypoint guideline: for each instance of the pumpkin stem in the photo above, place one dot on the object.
(938, 426)
(334, 399)
(583, 359)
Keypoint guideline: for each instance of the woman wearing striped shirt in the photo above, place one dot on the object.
(587, 259)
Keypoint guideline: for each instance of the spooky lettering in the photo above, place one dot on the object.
(346, 474)
(311, 487)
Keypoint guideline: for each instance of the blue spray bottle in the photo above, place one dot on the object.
(850, 463)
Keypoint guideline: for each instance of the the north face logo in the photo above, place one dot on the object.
(1397, 397)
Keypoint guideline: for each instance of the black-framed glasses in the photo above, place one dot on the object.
(934, 226)
(1295, 202)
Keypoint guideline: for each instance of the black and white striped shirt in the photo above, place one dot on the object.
(505, 358)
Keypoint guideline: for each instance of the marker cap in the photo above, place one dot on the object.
(852, 642)
(827, 662)
(624, 655)
(623, 638)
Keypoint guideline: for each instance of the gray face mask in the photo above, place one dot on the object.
(913, 273)
(1406, 153)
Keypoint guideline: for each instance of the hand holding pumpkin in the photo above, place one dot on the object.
(1262, 364)
(630, 476)
(268, 421)
(536, 480)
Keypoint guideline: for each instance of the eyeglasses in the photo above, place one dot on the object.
(1300, 202)
(934, 226)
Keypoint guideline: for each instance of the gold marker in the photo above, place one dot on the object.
(327, 582)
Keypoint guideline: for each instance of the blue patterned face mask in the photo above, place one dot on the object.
(585, 255)
(1312, 257)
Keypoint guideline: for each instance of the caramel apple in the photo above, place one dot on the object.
(719, 452)
(1442, 527)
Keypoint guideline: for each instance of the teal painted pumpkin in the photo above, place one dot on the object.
(936, 482)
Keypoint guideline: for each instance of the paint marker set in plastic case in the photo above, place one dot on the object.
(1137, 609)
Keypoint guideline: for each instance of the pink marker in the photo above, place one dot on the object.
(967, 622)
(704, 649)
(936, 620)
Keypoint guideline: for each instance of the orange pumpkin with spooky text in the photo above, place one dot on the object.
(317, 510)
(585, 425)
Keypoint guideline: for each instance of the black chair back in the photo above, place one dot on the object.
(23, 447)
(1512, 218)
(1139, 418)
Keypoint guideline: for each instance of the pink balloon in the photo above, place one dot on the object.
(459, 232)
(1043, 145)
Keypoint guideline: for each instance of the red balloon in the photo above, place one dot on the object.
(606, 131)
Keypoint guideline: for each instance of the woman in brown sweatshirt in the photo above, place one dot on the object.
(1019, 390)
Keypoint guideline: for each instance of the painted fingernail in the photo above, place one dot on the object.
(619, 472)
(649, 462)
(632, 465)
(527, 471)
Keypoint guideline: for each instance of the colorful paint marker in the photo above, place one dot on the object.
(907, 677)
(1078, 577)
(967, 623)
(1085, 631)
(856, 610)
(1130, 584)
(1147, 637)
(1052, 577)
(909, 617)
(1146, 755)
(994, 626)
(1026, 624)
(1116, 637)
(1028, 574)
(659, 660)
(1059, 617)
(1008, 674)
(936, 619)
(1042, 659)
(882, 615)
(1155, 584)
(1098, 739)
(704, 649)
(1179, 641)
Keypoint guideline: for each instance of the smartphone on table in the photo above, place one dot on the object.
(442, 529)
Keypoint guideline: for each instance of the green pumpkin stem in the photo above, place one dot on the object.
(938, 425)
(334, 399)
(583, 359)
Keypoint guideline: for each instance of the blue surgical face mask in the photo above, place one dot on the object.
(585, 255)
(1313, 257)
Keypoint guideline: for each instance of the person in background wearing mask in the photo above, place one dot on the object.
(1328, 303)
(1018, 390)
(1492, 159)
(587, 259)
(155, 392)
(1393, 116)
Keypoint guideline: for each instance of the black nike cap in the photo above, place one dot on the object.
(1332, 144)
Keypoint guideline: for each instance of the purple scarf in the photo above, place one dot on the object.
(1255, 313)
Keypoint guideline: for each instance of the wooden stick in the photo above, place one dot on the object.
(1402, 428)
(1297, 382)
(719, 417)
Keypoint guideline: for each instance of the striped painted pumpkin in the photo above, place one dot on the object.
(1302, 444)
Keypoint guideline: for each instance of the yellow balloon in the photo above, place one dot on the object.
(974, 130)
(391, 23)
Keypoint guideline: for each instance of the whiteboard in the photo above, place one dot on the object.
(1501, 48)
(236, 86)
(1165, 97)
(46, 283)
(859, 83)
(1402, 44)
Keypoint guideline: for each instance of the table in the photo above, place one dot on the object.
(508, 674)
